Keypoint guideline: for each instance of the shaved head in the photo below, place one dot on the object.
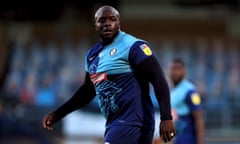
(106, 8)
(107, 23)
(177, 71)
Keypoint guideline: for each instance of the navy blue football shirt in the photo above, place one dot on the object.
(123, 97)
(185, 100)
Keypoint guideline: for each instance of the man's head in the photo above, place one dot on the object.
(177, 71)
(107, 23)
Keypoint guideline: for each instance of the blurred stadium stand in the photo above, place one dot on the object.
(48, 45)
(27, 10)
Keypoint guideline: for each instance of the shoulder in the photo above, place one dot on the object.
(188, 88)
(93, 49)
(132, 40)
(189, 85)
(192, 96)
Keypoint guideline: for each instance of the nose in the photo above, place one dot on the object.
(108, 22)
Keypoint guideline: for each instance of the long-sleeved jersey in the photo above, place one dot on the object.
(119, 74)
(123, 95)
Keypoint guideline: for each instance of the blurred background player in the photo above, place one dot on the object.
(186, 106)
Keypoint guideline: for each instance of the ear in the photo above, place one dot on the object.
(184, 72)
(119, 25)
(95, 25)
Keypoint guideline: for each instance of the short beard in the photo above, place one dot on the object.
(106, 41)
(177, 82)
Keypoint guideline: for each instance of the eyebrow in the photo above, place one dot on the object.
(97, 18)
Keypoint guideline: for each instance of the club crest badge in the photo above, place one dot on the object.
(113, 52)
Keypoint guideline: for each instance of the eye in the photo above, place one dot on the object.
(101, 20)
(113, 18)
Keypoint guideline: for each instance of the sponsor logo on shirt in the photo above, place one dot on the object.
(106, 92)
(98, 77)
(92, 68)
(91, 58)
(147, 51)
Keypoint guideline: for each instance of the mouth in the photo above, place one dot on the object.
(107, 32)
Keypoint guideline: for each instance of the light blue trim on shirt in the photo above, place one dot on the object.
(179, 95)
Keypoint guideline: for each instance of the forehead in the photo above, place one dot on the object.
(107, 12)
(177, 65)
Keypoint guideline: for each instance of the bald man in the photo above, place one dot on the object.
(119, 69)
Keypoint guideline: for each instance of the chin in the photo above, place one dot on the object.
(108, 38)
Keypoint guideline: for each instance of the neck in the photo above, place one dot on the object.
(106, 41)
(177, 82)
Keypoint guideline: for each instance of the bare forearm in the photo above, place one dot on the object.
(199, 124)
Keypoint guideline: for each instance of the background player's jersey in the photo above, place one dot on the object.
(123, 96)
(184, 100)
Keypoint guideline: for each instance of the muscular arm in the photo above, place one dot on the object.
(194, 103)
(199, 125)
(150, 68)
(81, 98)
(147, 67)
